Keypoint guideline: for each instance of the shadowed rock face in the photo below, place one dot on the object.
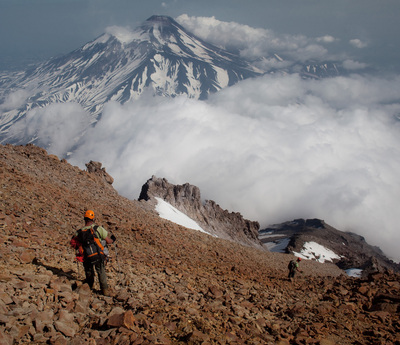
(172, 285)
(210, 216)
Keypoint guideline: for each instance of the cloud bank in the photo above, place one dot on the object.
(253, 43)
(358, 43)
(268, 49)
(273, 148)
(56, 127)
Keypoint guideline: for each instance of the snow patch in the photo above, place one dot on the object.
(167, 211)
(222, 77)
(314, 251)
(101, 40)
(270, 235)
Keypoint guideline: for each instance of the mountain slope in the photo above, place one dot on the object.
(160, 55)
(172, 285)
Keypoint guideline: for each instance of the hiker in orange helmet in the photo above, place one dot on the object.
(293, 268)
(87, 241)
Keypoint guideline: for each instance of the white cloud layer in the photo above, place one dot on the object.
(273, 148)
(14, 99)
(353, 65)
(124, 34)
(327, 39)
(358, 43)
(56, 127)
(254, 43)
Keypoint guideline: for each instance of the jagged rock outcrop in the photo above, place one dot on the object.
(96, 169)
(172, 285)
(209, 215)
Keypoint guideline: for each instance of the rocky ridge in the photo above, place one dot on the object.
(353, 250)
(172, 285)
(209, 215)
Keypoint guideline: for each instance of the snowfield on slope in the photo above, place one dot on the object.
(315, 251)
(167, 211)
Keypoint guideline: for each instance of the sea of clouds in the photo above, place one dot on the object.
(273, 148)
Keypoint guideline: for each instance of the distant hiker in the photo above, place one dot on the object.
(87, 241)
(293, 268)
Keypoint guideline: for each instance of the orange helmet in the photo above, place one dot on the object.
(298, 259)
(89, 214)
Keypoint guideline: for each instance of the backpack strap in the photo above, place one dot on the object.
(97, 238)
(95, 232)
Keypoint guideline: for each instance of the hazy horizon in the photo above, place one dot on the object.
(365, 30)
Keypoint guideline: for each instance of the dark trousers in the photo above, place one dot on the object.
(101, 273)
(291, 273)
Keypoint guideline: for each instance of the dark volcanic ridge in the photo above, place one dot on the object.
(352, 249)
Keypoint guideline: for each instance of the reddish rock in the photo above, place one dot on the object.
(27, 256)
(125, 319)
(216, 292)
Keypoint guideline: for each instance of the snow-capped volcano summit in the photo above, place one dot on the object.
(120, 64)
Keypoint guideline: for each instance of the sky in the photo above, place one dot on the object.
(366, 29)
(274, 148)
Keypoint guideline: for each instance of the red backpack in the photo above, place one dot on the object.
(88, 244)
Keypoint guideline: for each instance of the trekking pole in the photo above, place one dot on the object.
(77, 265)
